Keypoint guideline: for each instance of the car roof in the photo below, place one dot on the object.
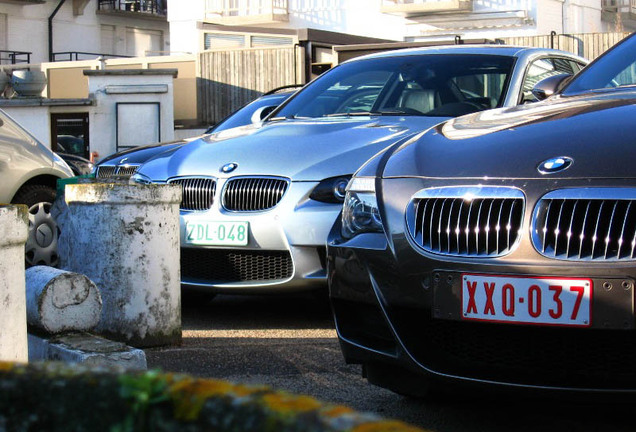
(505, 50)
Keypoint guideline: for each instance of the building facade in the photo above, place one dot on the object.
(37, 31)
(398, 20)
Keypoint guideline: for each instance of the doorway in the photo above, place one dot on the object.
(69, 134)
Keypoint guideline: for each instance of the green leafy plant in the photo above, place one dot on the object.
(141, 391)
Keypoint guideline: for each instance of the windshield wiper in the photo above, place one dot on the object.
(353, 114)
(396, 112)
(289, 117)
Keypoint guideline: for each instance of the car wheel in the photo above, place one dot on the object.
(41, 244)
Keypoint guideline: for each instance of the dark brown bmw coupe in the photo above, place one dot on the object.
(499, 247)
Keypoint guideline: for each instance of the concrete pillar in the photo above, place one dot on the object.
(125, 238)
(61, 301)
(14, 224)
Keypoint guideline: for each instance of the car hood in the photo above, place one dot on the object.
(595, 130)
(139, 155)
(304, 150)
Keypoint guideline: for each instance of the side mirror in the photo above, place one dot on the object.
(549, 86)
(261, 113)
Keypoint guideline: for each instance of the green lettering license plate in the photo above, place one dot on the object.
(211, 233)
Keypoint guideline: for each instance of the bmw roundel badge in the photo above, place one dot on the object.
(555, 164)
(229, 167)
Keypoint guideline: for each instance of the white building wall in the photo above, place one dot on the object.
(357, 17)
(27, 29)
(184, 34)
(551, 17)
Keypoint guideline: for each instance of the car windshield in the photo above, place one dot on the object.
(243, 116)
(424, 85)
(617, 68)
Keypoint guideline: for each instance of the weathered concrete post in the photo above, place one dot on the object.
(14, 224)
(125, 238)
(60, 301)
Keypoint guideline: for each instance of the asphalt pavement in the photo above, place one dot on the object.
(289, 343)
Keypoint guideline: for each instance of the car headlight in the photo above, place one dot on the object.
(140, 178)
(331, 190)
(360, 212)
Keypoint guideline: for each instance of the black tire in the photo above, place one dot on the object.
(41, 245)
(33, 194)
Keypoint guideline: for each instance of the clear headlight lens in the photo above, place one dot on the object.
(331, 190)
(360, 212)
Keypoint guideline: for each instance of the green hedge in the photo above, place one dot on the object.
(60, 397)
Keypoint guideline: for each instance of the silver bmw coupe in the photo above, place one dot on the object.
(259, 201)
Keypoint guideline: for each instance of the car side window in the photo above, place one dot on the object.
(541, 69)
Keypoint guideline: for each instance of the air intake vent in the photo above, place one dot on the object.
(466, 221)
(198, 193)
(595, 224)
(254, 193)
(224, 266)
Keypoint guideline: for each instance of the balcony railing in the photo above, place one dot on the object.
(80, 55)
(152, 7)
(23, 2)
(246, 11)
(619, 6)
(412, 8)
(14, 57)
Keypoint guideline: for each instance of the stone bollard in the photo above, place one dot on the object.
(125, 238)
(14, 222)
(60, 301)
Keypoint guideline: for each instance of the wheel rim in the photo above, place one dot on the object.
(41, 244)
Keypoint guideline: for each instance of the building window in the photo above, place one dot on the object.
(218, 40)
(141, 43)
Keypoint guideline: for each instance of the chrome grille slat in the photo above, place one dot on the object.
(509, 228)
(198, 192)
(452, 221)
(595, 236)
(604, 219)
(621, 240)
(478, 227)
(557, 231)
(499, 224)
(608, 237)
(582, 235)
(248, 194)
(570, 230)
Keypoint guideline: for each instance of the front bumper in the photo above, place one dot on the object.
(285, 249)
(399, 307)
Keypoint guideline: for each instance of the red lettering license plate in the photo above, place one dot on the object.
(528, 300)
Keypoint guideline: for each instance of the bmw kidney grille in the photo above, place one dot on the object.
(198, 193)
(246, 194)
(466, 221)
(586, 224)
